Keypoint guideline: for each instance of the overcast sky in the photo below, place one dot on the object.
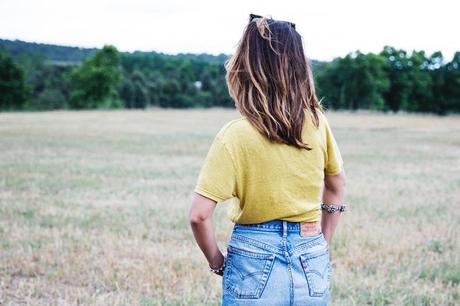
(329, 28)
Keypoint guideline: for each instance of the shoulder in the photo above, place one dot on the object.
(323, 121)
(322, 117)
(235, 129)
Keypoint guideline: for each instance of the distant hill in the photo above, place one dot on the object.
(64, 55)
(51, 52)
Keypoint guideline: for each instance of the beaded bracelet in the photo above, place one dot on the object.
(219, 270)
(333, 208)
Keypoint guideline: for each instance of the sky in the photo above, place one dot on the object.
(330, 28)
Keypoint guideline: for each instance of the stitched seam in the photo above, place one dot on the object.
(207, 193)
(257, 243)
(312, 243)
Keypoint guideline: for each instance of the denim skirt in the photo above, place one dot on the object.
(270, 263)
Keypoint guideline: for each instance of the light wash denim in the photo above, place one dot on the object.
(269, 263)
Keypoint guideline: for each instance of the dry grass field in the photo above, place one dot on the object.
(94, 204)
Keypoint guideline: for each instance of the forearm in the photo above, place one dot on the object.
(329, 223)
(329, 220)
(206, 239)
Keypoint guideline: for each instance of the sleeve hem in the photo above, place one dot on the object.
(334, 171)
(209, 195)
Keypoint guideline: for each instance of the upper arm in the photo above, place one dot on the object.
(202, 207)
(335, 182)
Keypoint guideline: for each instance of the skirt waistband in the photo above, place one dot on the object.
(280, 225)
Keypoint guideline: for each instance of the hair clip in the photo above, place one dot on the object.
(253, 16)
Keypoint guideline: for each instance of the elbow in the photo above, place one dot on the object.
(201, 210)
(336, 183)
(343, 180)
(197, 216)
(196, 219)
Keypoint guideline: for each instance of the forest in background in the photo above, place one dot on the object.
(37, 76)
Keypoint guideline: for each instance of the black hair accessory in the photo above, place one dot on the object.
(253, 16)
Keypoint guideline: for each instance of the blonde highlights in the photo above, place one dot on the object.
(271, 81)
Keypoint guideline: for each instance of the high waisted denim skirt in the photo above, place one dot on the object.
(270, 263)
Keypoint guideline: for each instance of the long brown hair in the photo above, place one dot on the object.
(271, 81)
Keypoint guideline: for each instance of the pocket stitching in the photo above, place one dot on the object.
(325, 276)
(256, 243)
(269, 260)
(252, 254)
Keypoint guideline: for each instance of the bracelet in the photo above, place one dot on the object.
(333, 208)
(221, 269)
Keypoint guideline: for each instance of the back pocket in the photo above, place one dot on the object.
(317, 268)
(247, 272)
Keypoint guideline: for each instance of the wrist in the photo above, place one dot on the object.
(220, 269)
(216, 261)
(333, 207)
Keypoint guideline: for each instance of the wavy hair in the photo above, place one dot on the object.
(271, 81)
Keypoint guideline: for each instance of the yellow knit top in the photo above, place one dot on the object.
(266, 180)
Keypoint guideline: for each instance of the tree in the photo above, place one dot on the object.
(451, 86)
(400, 84)
(421, 96)
(96, 81)
(356, 81)
(13, 90)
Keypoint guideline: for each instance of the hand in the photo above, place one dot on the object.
(220, 273)
(328, 238)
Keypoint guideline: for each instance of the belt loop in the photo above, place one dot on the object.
(284, 229)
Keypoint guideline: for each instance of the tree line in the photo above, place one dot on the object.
(37, 77)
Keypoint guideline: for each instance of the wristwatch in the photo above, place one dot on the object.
(333, 208)
(221, 269)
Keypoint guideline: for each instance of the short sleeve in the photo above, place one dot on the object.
(334, 161)
(217, 178)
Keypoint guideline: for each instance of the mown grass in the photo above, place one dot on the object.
(93, 208)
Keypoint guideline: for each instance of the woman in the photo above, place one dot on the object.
(281, 166)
